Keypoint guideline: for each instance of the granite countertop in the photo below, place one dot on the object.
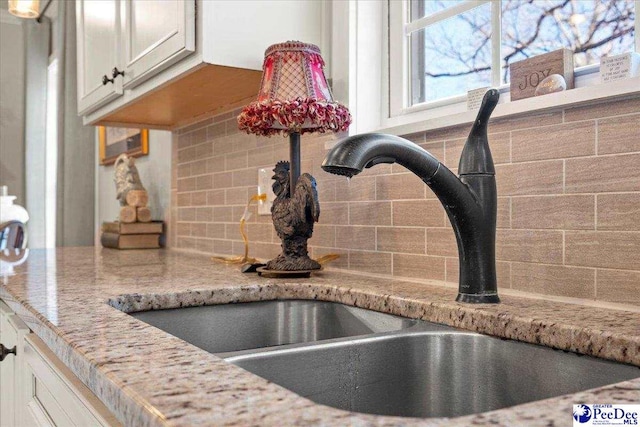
(72, 299)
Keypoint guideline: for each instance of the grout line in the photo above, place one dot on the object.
(564, 247)
(564, 176)
(595, 284)
(595, 212)
(596, 137)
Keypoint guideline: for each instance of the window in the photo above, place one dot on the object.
(440, 49)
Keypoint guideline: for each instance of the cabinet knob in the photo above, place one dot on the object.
(4, 351)
(106, 80)
(115, 72)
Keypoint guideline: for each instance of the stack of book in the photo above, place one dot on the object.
(135, 235)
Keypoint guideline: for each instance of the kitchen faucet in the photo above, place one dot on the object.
(470, 200)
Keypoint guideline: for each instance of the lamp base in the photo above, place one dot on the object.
(290, 262)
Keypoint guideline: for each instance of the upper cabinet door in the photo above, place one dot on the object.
(98, 43)
(155, 34)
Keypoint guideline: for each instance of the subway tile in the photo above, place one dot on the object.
(370, 262)
(186, 184)
(245, 177)
(237, 196)
(407, 240)
(199, 136)
(559, 212)
(603, 174)
(370, 213)
(204, 214)
(539, 246)
(186, 214)
(326, 192)
(222, 247)
(355, 189)
(419, 213)
(356, 237)
(341, 262)
(606, 249)
(619, 212)
(543, 177)
(257, 232)
(441, 242)
(334, 213)
(204, 150)
(323, 235)
(419, 266)
(265, 251)
(216, 130)
(417, 138)
(222, 180)
(398, 187)
(183, 229)
(182, 141)
(524, 121)
(237, 160)
(198, 167)
(204, 182)
(557, 280)
(204, 245)
(451, 132)
(216, 230)
(554, 142)
(503, 219)
(223, 214)
(602, 109)
(619, 134)
(436, 149)
(187, 155)
(198, 229)
(215, 197)
(184, 199)
(184, 170)
(216, 164)
(199, 198)
(618, 286)
(261, 157)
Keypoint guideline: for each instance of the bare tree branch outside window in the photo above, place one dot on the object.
(457, 51)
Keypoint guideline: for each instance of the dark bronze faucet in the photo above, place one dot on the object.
(470, 200)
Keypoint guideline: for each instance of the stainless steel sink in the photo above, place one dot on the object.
(234, 327)
(430, 374)
(364, 361)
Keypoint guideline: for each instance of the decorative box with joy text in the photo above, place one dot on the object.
(526, 75)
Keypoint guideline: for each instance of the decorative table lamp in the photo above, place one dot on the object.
(294, 98)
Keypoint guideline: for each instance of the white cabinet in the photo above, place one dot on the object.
(53, 396)
(98, 50)
(12, 333)
(155, 35)
(121, 43)
(184, 60)
(37, 389)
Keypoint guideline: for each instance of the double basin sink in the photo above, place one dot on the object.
(364, 361)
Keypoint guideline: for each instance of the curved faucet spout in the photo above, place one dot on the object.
(470, 201)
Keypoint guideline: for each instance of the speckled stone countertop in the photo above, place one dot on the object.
(72, 299)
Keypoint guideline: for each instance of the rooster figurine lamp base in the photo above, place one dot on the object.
(294, 211)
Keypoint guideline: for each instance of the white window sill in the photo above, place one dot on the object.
(456, 114)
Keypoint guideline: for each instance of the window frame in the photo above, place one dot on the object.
(397, 110)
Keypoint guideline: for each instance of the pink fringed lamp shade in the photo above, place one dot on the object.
(294, 94)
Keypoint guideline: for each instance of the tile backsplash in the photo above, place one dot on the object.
(568, 201)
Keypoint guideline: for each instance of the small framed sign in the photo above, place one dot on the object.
(526, 75)
(116, 141)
